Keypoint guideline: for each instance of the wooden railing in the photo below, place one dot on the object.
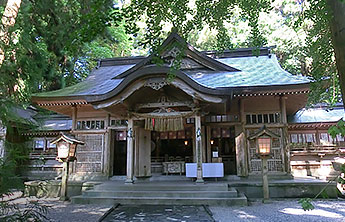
(316, 149)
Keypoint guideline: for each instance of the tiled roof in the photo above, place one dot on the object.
(233, 70)
(57, 125)
(255, 71)
(314, 115)
(54, 123)
(98, 82)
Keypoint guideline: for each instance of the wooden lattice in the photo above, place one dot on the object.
(90, 155)
(275, 163)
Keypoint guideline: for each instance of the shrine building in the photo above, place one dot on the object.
(139, 116)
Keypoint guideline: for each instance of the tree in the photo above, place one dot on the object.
(323, 21)
(337, 25)
(42, 49)
(8, 19)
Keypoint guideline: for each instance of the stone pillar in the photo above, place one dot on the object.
(199, 149)
(130, 152)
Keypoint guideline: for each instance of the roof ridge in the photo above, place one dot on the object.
(228, 53)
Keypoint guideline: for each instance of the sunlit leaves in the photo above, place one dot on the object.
(191, 16)
(306, 204)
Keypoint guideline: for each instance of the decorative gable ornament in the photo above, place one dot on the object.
(156, 83)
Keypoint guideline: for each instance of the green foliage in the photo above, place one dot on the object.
(306, 204)
(188, 16)
(46, 42)
(11, 183)
(338, 129)
(10, 166)
(31, 211)
(8, 178)
(320, 49)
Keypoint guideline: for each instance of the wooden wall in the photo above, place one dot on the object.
(90, 155)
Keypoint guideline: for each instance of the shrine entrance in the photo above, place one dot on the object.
(120, 152)
(164, 128)
(223, 148)
(171, 149)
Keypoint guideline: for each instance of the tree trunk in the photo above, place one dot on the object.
(338, 38)
(8, 20)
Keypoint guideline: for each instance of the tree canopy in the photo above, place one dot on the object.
(302, 30)
(54, 44)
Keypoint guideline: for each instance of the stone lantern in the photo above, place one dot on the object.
(66, 146)
(263, 138)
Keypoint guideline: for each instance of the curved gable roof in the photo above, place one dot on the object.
(189, 51)
(221, 76)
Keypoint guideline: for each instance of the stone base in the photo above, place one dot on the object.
(129, 181)
(200, 180)
(52, 188)
(286, 188)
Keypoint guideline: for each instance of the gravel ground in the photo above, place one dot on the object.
(276, 210)
(60, 211)
(284, 210)
(64, 211)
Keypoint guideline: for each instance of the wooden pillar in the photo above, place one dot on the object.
(317, 136)
(194, 146)
(64, 180)
(265, 187)
(199, 149)
(107, 148)
(283, 109)
(74, 117)
(136, 151)
(72, 168)
(285, 148)
(130, 152)
(203, 144)
(208, 144)
(241, 145)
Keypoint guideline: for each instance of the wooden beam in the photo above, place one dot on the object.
(164, 104)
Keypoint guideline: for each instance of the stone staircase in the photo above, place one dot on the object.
(162, 193)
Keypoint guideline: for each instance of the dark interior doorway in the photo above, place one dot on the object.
(120, 154)
(172, 150)
(223, 142)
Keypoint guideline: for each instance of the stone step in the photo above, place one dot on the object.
(241, 200)
(162, 187)
(171, 194)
